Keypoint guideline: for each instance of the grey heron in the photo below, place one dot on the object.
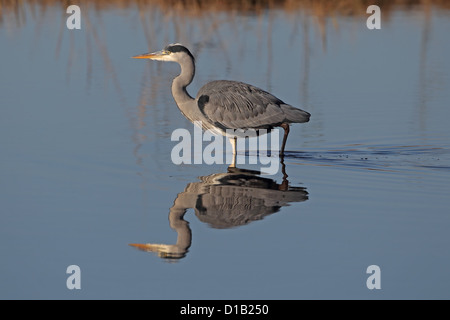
(225, 105)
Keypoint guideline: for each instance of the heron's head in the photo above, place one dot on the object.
(173, 52)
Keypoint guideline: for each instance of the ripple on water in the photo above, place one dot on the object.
(377, 157)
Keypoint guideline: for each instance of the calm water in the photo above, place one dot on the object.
(85, 165)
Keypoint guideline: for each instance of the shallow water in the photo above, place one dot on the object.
(86, 169)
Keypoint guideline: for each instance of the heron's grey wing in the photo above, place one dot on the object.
(237, 105)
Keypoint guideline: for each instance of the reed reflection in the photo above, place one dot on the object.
(225, 200)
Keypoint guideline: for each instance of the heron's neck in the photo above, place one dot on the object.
(180, 83)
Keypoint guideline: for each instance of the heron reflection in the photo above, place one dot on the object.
(225, 200)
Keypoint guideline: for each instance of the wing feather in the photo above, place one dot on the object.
(237, 105)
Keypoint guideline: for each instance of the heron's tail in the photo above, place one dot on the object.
(295, 115)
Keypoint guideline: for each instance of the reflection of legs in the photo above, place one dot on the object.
(233, 145)
(285, 126)
(285, 184)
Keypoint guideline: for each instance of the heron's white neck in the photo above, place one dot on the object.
(180, 83)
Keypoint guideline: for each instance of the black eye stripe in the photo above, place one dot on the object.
(178, 48)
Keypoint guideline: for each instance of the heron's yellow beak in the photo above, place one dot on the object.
(159, 55)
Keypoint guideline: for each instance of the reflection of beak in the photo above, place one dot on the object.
(163, 250)
(147, 247)
(159, 55)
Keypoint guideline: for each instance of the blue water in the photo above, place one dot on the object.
(86, 170)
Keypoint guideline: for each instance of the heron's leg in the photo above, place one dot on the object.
(285, 126)
(233, 144)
